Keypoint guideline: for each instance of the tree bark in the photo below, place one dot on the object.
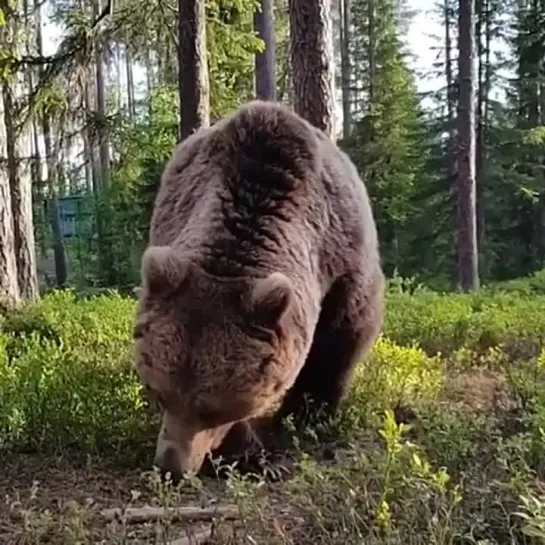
(130, 82)
(104, 148)
(468, 270)
(483, 56)
(193, 67)
(18, 162)
(312, 62)
(265, 62)
(20, 180)
(9, 287)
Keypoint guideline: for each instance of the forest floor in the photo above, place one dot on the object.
(59, 498)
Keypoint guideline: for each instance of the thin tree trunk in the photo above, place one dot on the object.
(312, 62)
(9, 287)
(130, 82)
(344, 9)
(91, 170)
(31, 23)
(53, 208)
(482, 24)
(106, 270)
(372, 51)
(451, 102)
(468, 270)
(61, 271)
(451, 130)
(149, 79)
(117, 50)
(193, 68)
(265, 62)
(104, 149)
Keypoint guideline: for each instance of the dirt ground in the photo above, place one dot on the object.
(61, 480)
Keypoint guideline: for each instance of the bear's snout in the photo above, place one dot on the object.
(168, 462)
(182, 449)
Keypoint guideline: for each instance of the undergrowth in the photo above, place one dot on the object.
(441, 439)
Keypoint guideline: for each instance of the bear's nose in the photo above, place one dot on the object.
(168, 461)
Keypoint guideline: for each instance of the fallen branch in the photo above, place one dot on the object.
(198, 538)
(147, 514)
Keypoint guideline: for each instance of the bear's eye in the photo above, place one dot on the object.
(139, 330)
(153, 397)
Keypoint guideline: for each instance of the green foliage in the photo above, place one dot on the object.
(445, 323)
(395, 376)
(231, 46)
(66, 374)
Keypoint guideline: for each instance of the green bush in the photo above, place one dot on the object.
(445, 323)
(66, 374)
(449, 471)
(394, 376)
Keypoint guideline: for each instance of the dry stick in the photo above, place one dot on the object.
(146, 514)
(198, 538)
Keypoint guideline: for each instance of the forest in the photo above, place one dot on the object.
(441, 439)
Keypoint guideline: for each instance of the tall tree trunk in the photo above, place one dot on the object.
(91, 168)
(468, 270)
(483, 58)
(61, 271)
(104, 149)
(117, 61)
(265, 62)
(20, 180)
(312, 62)
(451, 100)
(106, 269)
(344, 9)
(130, 82)
(18, 160)
(451, 108)
(31, 24)
(9, 287)
(149, 79)
(193, 68)
(59, 255)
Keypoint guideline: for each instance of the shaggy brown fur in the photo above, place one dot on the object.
(262, 280)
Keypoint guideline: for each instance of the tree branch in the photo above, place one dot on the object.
(64, 53)
(146, 514)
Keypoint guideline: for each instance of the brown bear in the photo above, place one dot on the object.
(262, 282)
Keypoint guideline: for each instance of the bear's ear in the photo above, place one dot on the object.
(271, 298)
(163, 271)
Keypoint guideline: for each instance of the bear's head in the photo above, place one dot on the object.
(210, 351)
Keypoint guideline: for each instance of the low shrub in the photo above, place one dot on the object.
(67, 375)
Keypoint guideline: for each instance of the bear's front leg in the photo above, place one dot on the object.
(349, 323)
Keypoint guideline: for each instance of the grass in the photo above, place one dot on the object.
(441, 439)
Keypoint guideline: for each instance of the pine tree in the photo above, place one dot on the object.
(385, 141)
